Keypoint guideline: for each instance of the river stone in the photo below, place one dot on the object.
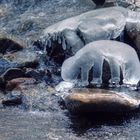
(13, 99)
(109, 3)
(17, 82)
(131, 4)
(5, 65)
(9, 45)
(82, 101)
(2, 84)
(3, 12)
(105, 3)
(133, 33)
(99, 2)
(36, 74)
(12, 74)
(25, 58)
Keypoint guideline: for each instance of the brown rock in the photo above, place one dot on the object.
(97, 100)
(16, 83)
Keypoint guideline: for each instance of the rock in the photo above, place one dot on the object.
(37, 97)
(3, 11)
(105, 3)
(131, 4)
(5, 65)
(25, 58)
(12, 74)
(133, 35)
(99, 101)
(16, 83)
(36, 74)
(99, 2)
(109, 3)
(9, 45)
(1, 96)
(13, 100)
(2, 84)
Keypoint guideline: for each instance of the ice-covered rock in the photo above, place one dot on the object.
(77, 68)
(68, 36)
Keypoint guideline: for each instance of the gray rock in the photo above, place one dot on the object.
(13, 99)
(25, 58)
(5, 64)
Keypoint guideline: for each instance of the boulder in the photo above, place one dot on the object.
(133, 35)
(12, 74)
(83, 101)
(16, 83)
(131, 4)
(5, 65)
(8, 45)
(13, 99)
(24, 58)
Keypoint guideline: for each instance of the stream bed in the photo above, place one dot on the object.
(46, 118)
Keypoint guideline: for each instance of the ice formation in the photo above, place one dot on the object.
(73, 33)
(91, 57)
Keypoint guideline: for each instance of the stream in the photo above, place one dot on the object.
(46, 118)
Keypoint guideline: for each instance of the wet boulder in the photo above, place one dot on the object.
(2, 84)
(3, 11)
(99, 2)
(12, 73)
(36, 74)
(82, 101)
(18, 82)
(13, 99)
(131, 4)
(132, 34)
(5, 65)
(8, 45)
(24, 58)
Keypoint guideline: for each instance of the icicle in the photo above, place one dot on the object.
(46, 42)
(64, 44)
(44, 49)
(59, 39)
(49, 42)
(53, 37)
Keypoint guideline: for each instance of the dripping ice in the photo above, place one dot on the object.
(117, 54)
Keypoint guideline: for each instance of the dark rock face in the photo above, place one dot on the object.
(93, 101)
(13, 73)
(99, 2)
(8, 45)
(2, 84)
(133, 36)
(12, 102)
(36, 74)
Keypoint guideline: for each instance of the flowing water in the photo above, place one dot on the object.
(46, 118)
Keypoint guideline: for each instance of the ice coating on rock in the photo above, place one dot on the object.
(75, 32)
(117, 54)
